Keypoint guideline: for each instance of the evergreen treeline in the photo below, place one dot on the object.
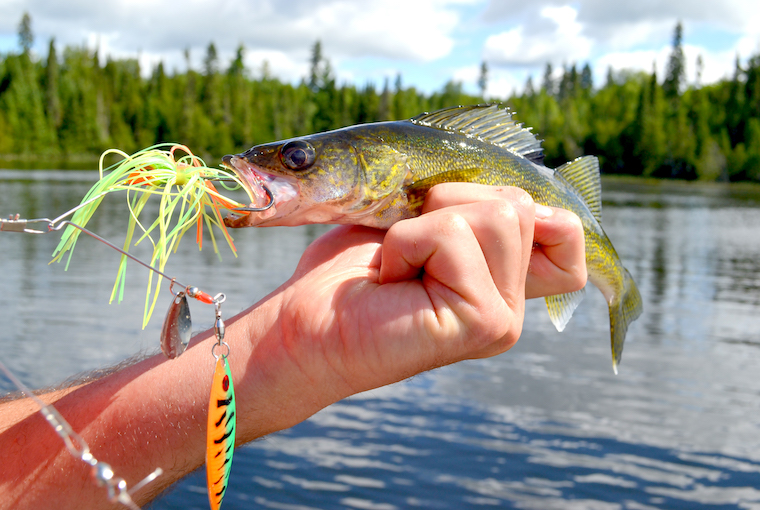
(72, 104)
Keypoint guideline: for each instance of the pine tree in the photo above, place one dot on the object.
(384, 108)
(548, 83)
(52, 101)
(23, 104)
(483, 78)
(239, 111)
(675, 75)
(368, 108)
(316, 71)
(529, 89)
(587, 80)
(752, 87)
(752, 143)
(25, 35)
(734, 105)
(651, 148)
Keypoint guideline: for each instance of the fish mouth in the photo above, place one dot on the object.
(270, 194)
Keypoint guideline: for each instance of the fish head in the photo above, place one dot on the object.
(336, 177)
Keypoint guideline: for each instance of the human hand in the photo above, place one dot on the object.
(367, 308)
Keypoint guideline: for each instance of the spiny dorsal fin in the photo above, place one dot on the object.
(583, 175)
(488, 123)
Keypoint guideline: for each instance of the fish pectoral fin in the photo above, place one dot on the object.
(562, 306)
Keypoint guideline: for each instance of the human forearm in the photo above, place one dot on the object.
(150, 414)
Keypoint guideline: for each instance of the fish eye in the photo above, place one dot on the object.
(297, 155)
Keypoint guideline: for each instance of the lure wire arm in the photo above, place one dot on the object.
(53, 227)
(16, 224)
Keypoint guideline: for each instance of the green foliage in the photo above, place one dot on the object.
(70, 104)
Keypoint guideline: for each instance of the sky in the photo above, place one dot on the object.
(427, 42)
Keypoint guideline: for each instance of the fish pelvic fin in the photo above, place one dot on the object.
(623, 312)
(562, 306)
(583, 175)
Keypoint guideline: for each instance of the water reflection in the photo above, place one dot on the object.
(546, 425)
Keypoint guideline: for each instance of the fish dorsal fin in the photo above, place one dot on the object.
(583, 175)
(488, 123)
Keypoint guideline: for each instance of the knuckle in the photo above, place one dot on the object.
(452, 224)
(502, 211)
(523, 198)
(498, 332)
(579, 277)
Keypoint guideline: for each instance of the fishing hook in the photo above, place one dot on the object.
(258, 209)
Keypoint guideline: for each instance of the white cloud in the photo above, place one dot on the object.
(557, 37)
(281, 31)
(716, 65)
(469, 74)
(502, 85)
(385, 28)
(424, 38)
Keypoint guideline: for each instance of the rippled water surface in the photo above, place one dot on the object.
(546, 425)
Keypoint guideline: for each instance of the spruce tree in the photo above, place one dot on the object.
(675, 75)
(548, 83)
(52, 101)
(587, 80)
(25, 35)
(483, 79)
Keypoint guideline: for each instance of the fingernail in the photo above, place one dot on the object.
(543, 212)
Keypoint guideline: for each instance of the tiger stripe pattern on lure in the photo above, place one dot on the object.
(220, 443)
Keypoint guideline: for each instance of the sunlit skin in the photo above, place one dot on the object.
(364, 308)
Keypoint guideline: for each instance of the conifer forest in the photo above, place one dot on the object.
(70, 105)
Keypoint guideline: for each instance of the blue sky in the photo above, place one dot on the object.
(428, 41)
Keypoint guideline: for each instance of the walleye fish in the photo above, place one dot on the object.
(376, 174)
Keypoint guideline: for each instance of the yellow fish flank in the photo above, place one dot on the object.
(377, 174)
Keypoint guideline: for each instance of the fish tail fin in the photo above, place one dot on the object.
(624, 310)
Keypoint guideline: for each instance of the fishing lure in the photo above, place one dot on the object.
(220, 438)
(222, 418)
(188, 199)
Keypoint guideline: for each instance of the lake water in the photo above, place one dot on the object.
(546, 425)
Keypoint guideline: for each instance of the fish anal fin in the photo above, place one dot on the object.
(583, 175)
(562, 306)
